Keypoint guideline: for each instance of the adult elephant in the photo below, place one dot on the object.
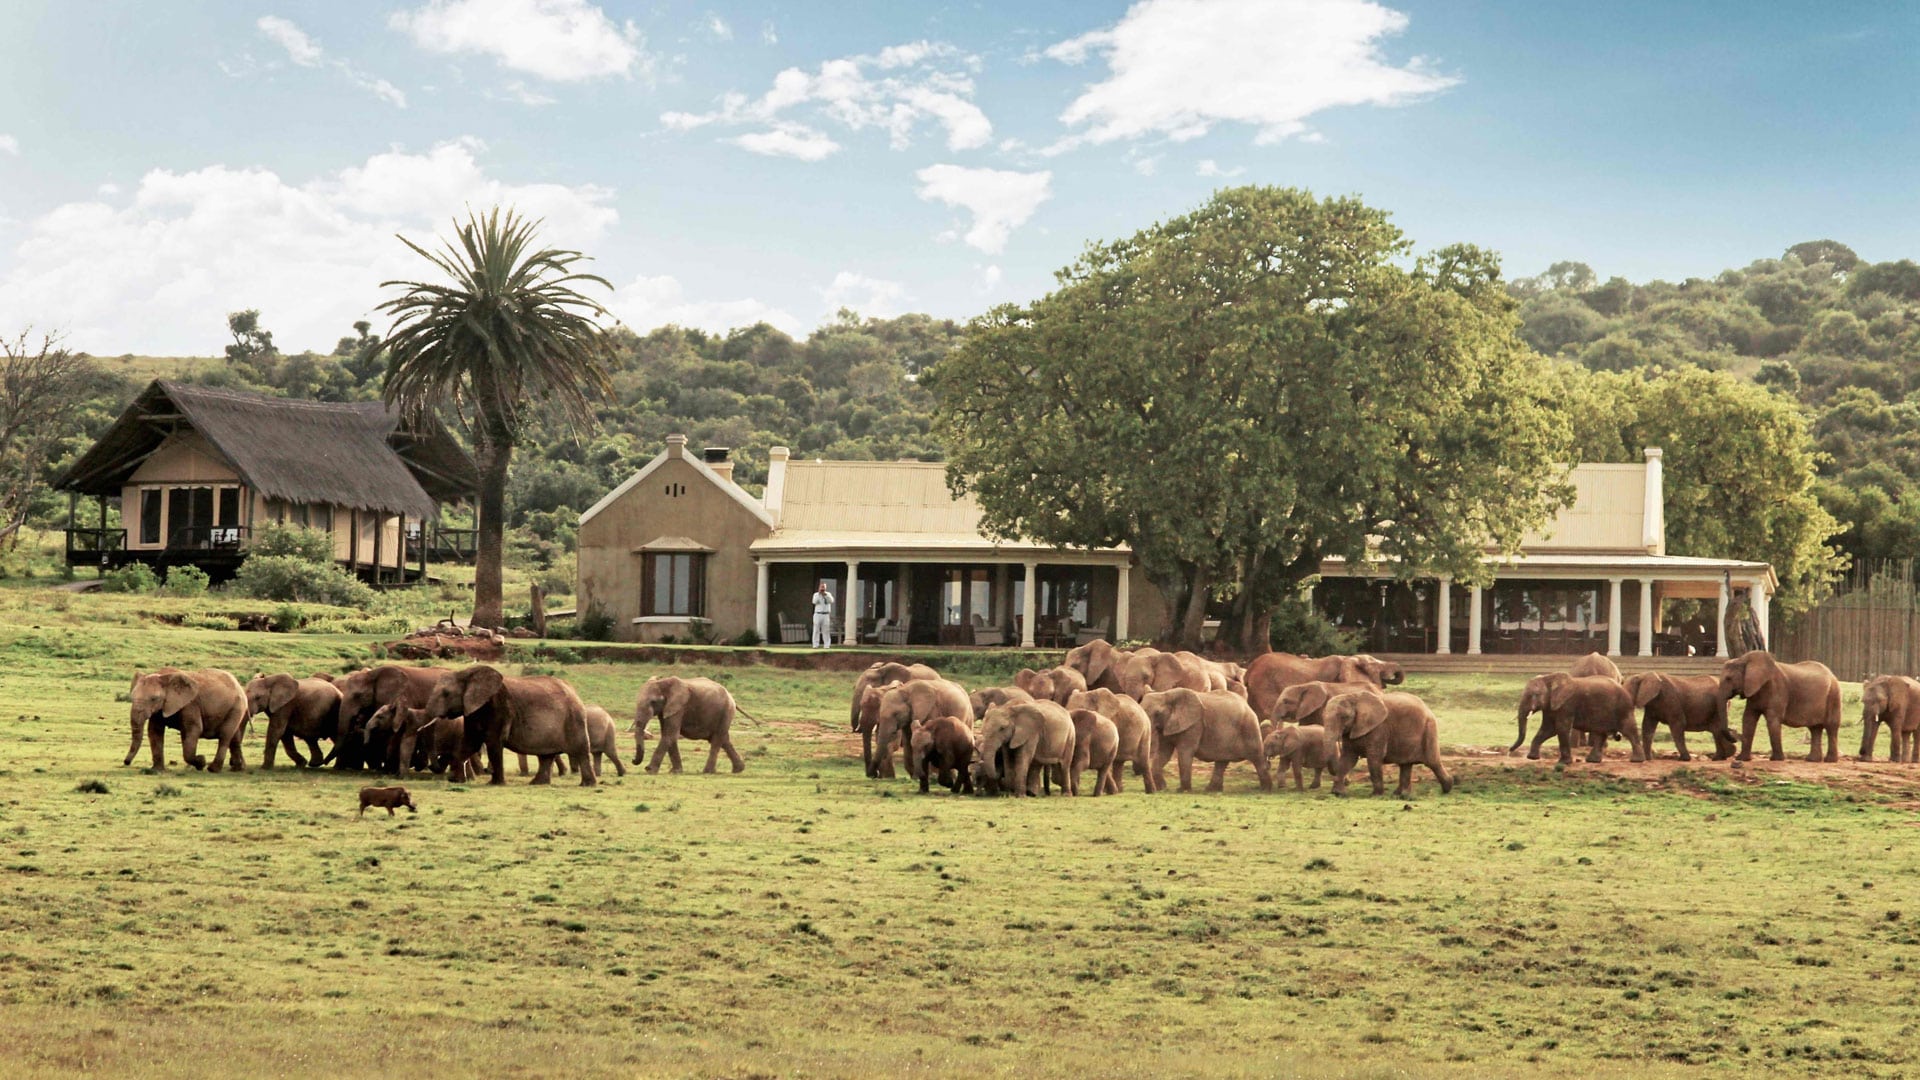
(1055, 684)
(1683, 703)
(1270, 673)
(1098, 662)
(1134, 731)
(1893, 700)
(1804, 695)
(686, 708)
(1303, 703)
(364, 691)
(536, 715)
(1567, 703)
(1386, 729)
(304, 709)
(204, 703)
(1033, 736)
(1594, 665)
(1146, 673)
(890, 713)
(880, 674)
(985, 699)
(1213, 726)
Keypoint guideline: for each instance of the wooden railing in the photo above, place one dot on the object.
(445, 545)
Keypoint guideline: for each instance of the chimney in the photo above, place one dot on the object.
(676, 446)
(718, 460)
(776, 480)
(1653, 515)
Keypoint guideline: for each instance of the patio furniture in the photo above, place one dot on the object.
(793, 633)
(987, 635)
(1097, 632)
(891, 633)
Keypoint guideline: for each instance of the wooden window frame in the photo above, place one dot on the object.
(651, 604)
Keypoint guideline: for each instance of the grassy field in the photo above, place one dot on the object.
(800, 920)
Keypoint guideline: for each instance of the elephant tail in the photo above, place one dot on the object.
(738, 711)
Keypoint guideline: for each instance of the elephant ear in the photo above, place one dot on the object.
(179, 693)
(483, 685)
(1183, 714)
(1098, 661)
(1022, 733)
(280, 692)
(1559, 690)
(678, 692)
(922, 739)
(1646, 687)
(1313, 698)
(1754, 675)
(1369, 712)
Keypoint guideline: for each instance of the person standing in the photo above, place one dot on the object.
(822, 617)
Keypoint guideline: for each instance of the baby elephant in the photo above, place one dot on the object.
(389, 797)
(1292, 746)
(942, 748)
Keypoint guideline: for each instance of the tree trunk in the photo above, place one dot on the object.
(1193, 619)
(492, 456)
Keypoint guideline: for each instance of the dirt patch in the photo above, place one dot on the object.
(1877, 777)
(443, 647)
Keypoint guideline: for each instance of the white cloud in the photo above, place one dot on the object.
(872, 297)
(788, 140)
(989, 279)
(1178, 67)
(306, 52)
(999, 200)
(301, 49)
(769, 34)
(895, 91)
(1210, 167)
(561, 40)
(649, 302)
(718, 27)
(9, 145)
(159, 270)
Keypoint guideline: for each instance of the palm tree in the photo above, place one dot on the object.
(507, 332)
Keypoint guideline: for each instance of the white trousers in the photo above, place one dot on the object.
(822, 630)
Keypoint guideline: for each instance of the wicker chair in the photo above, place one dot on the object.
(1099, 631)
(987, 635)
(793, 633)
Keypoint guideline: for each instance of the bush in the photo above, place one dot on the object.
(748, 638)
(291, 579)
(596, 624)
(187, 581)
(298, 541)
(1298, 628)
(135, 577)
(557, 580)
(287, 618)
(210, 622)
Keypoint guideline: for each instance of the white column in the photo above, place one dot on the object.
(1613, 616)
(1028, 603)
(1473, 620)
(1646, 617)
(762, 592)
(1445, 612)
(1123, 603)
(852, 614)
(1762, 610)
(1720, 627)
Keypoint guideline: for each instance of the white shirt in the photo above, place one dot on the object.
(822, 603)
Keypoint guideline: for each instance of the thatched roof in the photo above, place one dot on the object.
(354, 454)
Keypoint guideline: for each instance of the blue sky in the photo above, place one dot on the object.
(161, 165)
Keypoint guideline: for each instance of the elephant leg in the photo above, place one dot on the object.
(1439, 771)
(713, 756)
(236, 749)
(1566, 744)
(1186, 768)
(1405, 788)
(1377, 774)
(1299, 779)
(190, 744)
(1599, 744)
(1161, 755)
(659, 751)
(866, 752)
(673, 751)
(523, 764)
(1678, 731)
(1021, 773)
(1218, 781)
(1342, 765)
(544, 774)
(1316, 779)
(619, 767)
(1747, 723)
(1833, 742)
(156, 742)
(1540, 738)
(1778, 748)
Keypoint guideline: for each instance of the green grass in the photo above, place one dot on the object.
(800, 920)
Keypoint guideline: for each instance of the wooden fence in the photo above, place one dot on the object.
(1870, 626)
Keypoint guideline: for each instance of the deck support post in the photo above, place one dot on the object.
(1646, 617)
(1123, 603)
(1443, 639)
(1613, 616)
(762, 585)
(1473, 620)
(851, 616)
(1720, 625)
(1028, 605)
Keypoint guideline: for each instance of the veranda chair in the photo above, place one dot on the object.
(1099, 631)
(793, 633)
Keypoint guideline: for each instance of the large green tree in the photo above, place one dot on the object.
(506, 332)
(1244, 390)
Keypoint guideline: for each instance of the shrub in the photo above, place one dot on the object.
(287, 618)
(291, 579)
(92, 787)
(187, 581)
(307, 545)
(748, 638)
(596, 624)
(1298, 628)
(135, 577)
(557, 580)
(210, 622)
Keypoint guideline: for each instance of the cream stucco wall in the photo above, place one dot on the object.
(1608, 513)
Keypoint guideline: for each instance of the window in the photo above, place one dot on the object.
(190, 517)
(320, 517)
(674, 584)
(150, 516)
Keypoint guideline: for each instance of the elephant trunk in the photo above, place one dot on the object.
(1869, 727)
(1521, 716)
(139, 725)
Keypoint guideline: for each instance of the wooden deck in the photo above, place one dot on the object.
(1538, 663)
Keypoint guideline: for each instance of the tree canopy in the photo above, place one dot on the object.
(1244, 390)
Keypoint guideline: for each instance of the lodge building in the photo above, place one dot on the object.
(679, 550)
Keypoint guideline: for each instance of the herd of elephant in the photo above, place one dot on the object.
(1104, 708)
(394, 718)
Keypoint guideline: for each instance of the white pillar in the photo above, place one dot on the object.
(1762, 610)
(1123, 602)
(1613, 616)
(1720, 627)
(1473, 620)
(1646, 617)
(1445, 638)
(762, 589)
(851, 616)
(1028, 604)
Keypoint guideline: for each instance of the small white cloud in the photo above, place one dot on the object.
(9, 145)
(769, 34)
(526, 95)
(1210, 167)
(1000, 200)
(108, 189)
(301, 49)
(559, 40)
(649, 302)
(718, 27)
(378, 87)
(1145, 165)
(988, 280)
(790, 141)
(873, 297)
(1267, 63)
